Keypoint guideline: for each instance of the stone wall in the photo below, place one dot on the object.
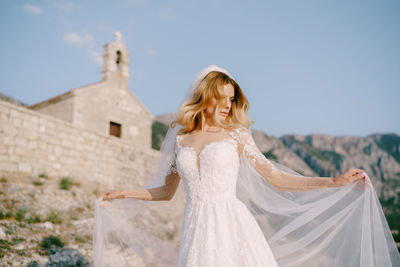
(34, 143)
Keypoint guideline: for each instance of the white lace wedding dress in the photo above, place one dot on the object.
(217, 228)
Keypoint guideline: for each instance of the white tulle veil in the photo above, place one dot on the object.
(342, 226)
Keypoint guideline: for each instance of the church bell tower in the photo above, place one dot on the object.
(116, 62)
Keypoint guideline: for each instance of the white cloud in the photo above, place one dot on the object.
(63, 6)
(35, 10)
(77, 39)
(151, 51)
(84, 41)
(96, 57)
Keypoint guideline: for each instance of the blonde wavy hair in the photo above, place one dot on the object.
(190, 113)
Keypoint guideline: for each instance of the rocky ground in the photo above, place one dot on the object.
(33, 208)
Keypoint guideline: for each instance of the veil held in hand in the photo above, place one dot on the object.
(336, 226)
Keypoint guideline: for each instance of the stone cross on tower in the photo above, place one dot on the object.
(118, 36)
(116, 62)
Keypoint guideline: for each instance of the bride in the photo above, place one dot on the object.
(241, 209)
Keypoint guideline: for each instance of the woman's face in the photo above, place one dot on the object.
(226, 103)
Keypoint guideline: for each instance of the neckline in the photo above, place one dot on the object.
(209, 143)
(179, 138)
(198, 154)
(207, 132)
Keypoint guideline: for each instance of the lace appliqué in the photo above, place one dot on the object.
(173, 169)
(249, 148)
(281, 180)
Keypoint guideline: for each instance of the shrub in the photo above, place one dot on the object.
(50, 241)
(5, 246)
(37, 183)
(79, 239)
(54, 218)
(8, 232)
(17, 240)
(34, 219)
(42, 175)
(20, 214)
(5, 214)
(65, 183)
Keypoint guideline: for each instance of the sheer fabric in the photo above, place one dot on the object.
(313, 222)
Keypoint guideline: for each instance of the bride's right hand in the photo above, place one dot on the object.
(113, 194)
(350, 176)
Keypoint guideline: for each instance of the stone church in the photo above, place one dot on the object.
(96, 133)
(108, 106)
(99, 136)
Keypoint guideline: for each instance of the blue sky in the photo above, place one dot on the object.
(329, 67)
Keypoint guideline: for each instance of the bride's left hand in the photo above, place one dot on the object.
(350, 176)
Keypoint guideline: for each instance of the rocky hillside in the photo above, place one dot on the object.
(329, 156)
(37, 212)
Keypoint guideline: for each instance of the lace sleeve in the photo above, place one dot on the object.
(172, 168)
(281, 180)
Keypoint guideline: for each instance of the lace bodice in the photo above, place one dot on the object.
(210, 174)
(211, 171)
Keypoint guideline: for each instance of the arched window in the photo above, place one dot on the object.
(118, 60)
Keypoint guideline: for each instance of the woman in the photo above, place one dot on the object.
(241, 208)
